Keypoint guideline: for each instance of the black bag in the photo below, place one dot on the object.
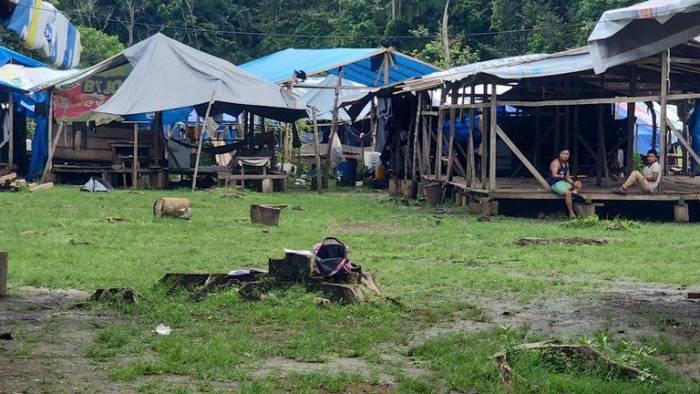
(331, 258)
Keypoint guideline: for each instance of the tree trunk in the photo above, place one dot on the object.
(446, 36)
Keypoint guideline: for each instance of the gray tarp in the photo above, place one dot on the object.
(627, 34)
(167, 74)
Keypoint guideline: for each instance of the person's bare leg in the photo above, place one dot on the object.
(569, 200)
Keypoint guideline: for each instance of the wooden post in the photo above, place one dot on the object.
(246, 125)
(201, 139)
(686, 135)
(453, 128)
(3, 274)
(317, 152)
(419, 108)
(52, 149)
(440, 132)
(373, 122)
(631, 122)
(492, 139)
(135, 165)
(334, 124)
(557, 131)
(665, 59)
(285, 144)
(387, 67)
(11, 139)
(484, 138)
(471, 168)
(519, 154)
(538, 130)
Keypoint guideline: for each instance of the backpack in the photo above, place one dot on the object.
(331, 258)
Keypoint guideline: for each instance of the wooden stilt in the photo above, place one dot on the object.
(492, 139)
(317, 152)
(334, 124)
(135, 164)
(11, 132)
(631, 122)
(201, 139)
(665, 60)
(440, 133)
(484, 138)
(416, 131)
(471, 168)
(453, 128)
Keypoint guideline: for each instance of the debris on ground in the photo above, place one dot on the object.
(483, 219)
(575, 353)
(115, 219)
(163, 330)
(200, 285)
(265, 214)
(178, 208)
(123, 295)
(42, 187)
(562, 241)
(694, 296)
(6, 336)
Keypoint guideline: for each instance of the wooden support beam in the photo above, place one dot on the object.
(689, 149)
(317, 152)
(201, 138)
(471, 168)
(664, 102)
(453, 129)
(523, 159)
(334, 124)
(440, 132)
(135, 164)
(631, 122)
(416, 130)
(52, 149)
(492, 138)
(11, 132)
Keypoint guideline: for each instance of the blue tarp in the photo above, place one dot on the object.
(361, 65)
(10, 56)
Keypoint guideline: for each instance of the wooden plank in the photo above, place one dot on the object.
(522, 158)
(453, 128)
(492, 138)
(252, 177)
(685, 144)
(631, 122)
(201, 138)
(49, 159)
(11, 132)
(439, 137)
(3, 274)
(317, 153)
(416, 130)
(135, 164)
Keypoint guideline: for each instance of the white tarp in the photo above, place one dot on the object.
(627, 34)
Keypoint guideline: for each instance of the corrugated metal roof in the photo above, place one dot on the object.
(361, 65)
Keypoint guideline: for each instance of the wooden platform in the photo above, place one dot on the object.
(677, 190)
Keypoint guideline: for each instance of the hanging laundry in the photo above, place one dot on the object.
(43, 28)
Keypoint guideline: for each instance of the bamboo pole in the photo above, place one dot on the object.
(492, 139)
(317, 152)
(664, 102)
(201, 139)
(439, 137)
(419, 107)
(3, 274)
(334, 124)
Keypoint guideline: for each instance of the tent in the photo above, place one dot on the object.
(323, 99)
(627, 34)
(644, 126)
(365, 66)
(160, 74)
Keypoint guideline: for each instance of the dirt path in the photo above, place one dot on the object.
(49, 337)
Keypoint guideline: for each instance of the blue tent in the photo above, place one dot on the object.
(10, 56)
(361, 65)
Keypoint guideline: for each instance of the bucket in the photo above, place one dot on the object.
(433, 193)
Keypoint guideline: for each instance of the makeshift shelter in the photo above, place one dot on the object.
(561, 101)
(367, 67)
(157, 75)
(19, 75)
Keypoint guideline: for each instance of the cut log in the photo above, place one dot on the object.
(343, 293)
(7, 179)
(42, 187)
(178, 208)
(294, 268)
(125, 295)
(265, 214)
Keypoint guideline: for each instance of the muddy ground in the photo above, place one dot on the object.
(50, 334)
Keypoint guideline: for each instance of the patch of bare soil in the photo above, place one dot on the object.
(562, 241)
(629, 309)
(45, 354)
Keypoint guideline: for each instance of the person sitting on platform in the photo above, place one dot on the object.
(648, 180)
(561, 182)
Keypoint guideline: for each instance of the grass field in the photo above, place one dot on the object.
(467, 292)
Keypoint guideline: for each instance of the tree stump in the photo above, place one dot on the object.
(433, 193)
(265, 214)
(178, 208)
(294, 268)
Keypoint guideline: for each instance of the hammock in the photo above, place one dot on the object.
(213, 150)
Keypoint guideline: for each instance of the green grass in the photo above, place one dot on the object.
(437, 263)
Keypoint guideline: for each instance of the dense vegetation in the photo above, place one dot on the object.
(246, 29)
